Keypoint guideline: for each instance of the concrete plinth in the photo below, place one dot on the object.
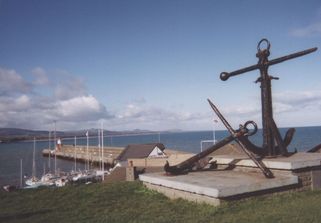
(219, 184)
(244, 179)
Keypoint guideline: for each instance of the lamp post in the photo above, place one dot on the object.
(214, 140)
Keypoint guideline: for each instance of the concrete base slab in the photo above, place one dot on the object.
(175, 194)
(296, 161)
(219, 184)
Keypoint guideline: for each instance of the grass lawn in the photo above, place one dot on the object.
(131, 202)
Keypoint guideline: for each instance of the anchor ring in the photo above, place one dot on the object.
(250, 132)
(268, 45)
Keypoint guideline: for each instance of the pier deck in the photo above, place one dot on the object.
(112, 153)
(80, 152)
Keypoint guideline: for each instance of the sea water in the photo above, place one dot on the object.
(10, 154)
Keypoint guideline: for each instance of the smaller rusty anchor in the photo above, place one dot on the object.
(243, 131)
(243, 141)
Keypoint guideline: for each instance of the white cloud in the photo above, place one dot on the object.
(69, 102)
(310, 30)
(290, 108)
(83, 108)
(11, 82)
(41, 77)
(39, 113)
(287, 101)
(70, 87)
(293, 101)
(22, 102)
(144, 116)
(14, 104)
(242, 110)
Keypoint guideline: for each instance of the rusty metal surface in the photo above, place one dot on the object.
(238, 135)
(273, 144)
(188, 164)
(315, 149)
(239, 141)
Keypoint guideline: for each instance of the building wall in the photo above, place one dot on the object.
(119, 174)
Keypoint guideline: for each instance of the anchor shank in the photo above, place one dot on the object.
(266, 101)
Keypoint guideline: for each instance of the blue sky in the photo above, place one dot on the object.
(153, 64)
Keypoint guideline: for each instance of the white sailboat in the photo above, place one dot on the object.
(62, 181)
(47, 179)
(102, 172)
(87, 174)
(33, 181)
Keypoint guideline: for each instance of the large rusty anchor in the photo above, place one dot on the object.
(273, 144)
(237, 135)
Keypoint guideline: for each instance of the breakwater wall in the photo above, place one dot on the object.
(82, 154)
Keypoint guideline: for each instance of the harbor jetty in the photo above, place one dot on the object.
(93, 154)
(111, 154)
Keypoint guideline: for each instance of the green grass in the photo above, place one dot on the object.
(131, 202)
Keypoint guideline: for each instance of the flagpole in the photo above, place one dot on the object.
(214, 140)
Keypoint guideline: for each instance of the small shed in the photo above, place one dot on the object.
(151, 150)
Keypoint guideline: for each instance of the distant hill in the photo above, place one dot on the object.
(16, 134)
(20, 132)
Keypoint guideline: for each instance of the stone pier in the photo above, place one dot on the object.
(80, 152)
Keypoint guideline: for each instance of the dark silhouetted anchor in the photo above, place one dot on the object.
(273, 144)
(237, 135)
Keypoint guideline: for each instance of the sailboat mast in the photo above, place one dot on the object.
(75, 153)
(33, 158)
(99, 149)
(102, 150)
(87, 150)
(49, 160)
(20, 173)
(55, 143)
